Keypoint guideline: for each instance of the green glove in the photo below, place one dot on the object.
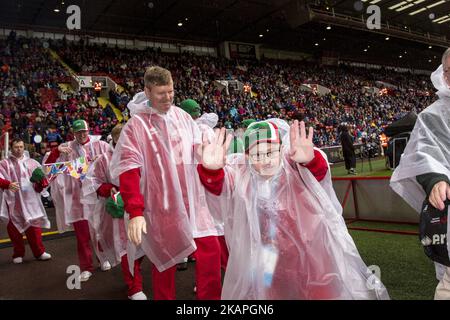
(114, 206)
(37, 175)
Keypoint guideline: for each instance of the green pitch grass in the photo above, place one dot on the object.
(363, 169)
(385, 226)
(405, 270)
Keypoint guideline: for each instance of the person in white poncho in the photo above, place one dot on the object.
(424, 169)
(155, 161)
(99, 189)
(20, 203)
(66, 195)
(284, 228)
(206, 123)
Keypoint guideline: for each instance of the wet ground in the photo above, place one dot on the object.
(48, 279)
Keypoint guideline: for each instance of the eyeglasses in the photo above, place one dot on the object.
(263, 156)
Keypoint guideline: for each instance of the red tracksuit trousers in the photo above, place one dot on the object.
(207, 272)
(84, 245)
(134, 283)
(34, 237)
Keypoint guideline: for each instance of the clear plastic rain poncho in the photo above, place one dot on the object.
(23, 208)
(66, 190)
(428, 149)
(206, 124)
(110, 232)
(286, 236)
(175, 208)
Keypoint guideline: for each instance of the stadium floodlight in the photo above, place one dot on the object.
(328, 27)
(387, 38)
(439, 19)
(436, 4)
(397, 5)
(405, 7)
(417, 11)
(445, 20)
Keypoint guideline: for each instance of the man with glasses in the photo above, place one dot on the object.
(283, 223)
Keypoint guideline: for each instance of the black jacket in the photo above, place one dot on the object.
(428, 180)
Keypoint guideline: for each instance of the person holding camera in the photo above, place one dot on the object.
(348, 150)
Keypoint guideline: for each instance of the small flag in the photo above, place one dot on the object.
(77, 169)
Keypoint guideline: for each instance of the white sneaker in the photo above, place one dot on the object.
(84, 276)
(18, 260)
(45, 256)
(138, 296)
(105, 266)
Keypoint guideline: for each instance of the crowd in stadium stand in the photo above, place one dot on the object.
(33, 103)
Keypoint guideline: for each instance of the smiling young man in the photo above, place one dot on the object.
(24, 211)
(155, 162)
(67, 196)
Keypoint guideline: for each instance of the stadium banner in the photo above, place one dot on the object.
(315, 88)
(242, 51)
(85, 81)
(101, 80)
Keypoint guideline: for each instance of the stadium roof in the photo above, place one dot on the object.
(335, 26)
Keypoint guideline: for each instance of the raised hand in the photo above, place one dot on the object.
(214, 153)
(302, 147)
(64, 149)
